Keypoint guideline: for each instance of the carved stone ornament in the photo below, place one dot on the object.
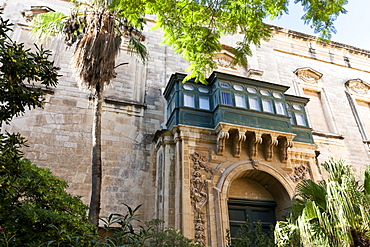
(300, 173)
(35, 10)
(285, 144)
(221, 139)
(224, 60)
(198, 195)
(358, 86)
(308, 75)
(239, 139)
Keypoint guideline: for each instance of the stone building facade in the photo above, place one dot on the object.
(199, 157)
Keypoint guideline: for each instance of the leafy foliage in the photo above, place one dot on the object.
(333, 212)
(251, 234)
(33, 202)
(119, 230)
(193, 28)
(19, 70)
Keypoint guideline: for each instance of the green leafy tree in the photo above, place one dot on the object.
(36, 209)
(192, 28)
(333, 212)
(32, 201)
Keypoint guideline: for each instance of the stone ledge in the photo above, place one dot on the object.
(328, 135)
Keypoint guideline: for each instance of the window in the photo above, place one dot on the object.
(251, 90)
(253, 103)
(188, 87)
(267, 106)
(203, 90)
(280, 108)
(204, 103)
(300, 119)
(277, 95)
(265, 92)
(226, 98)
(291, 115)
(318, 114)
(240, 101)
(224, 84)
(238, 88)
(188, 100)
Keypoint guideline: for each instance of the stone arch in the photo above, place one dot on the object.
(275, 182)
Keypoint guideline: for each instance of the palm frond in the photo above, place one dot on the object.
(136, 47)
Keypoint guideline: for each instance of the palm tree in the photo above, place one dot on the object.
(97, 32)
(332, 212)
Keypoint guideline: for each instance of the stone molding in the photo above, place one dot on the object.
(308, 75)
(309, 78)
(254, 137)
(29, 14)
(198, 195)
(359, 89)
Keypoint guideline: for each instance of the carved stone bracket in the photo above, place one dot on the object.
(257, 139)
(271, 143)
(284, 145)
(198, 195)
(300, 173)
(221, 139)
(239, 139)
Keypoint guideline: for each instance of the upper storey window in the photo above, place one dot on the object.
(297, 114)
(240, 101)
(226, 98)
(196, 96)
(204, 103)
(189, 87)
(253, 98)
(189, 100)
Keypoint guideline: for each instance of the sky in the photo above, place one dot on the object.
(353, 28)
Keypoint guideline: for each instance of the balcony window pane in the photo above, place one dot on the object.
(300, 119)
(291, 118)
(267, 106)
(188, 87)
(238, 88)
(204, 103)
(252, 90)
(188, 100)
(224, 84)
(240, 101)
(253, 103)
(203, 90)
(280, 108)
(226, 98)
(265, 92)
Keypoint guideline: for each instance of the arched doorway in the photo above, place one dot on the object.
(257, 196)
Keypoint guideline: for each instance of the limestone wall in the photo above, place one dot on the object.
(60, 134)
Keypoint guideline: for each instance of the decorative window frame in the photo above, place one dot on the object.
(310, 80)
(359, 90)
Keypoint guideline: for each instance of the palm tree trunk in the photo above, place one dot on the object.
(96, 168)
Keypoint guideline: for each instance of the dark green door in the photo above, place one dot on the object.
(254, 210)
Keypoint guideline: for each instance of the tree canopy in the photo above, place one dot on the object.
(193, 27)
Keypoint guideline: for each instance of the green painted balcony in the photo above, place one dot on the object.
(236, 100)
